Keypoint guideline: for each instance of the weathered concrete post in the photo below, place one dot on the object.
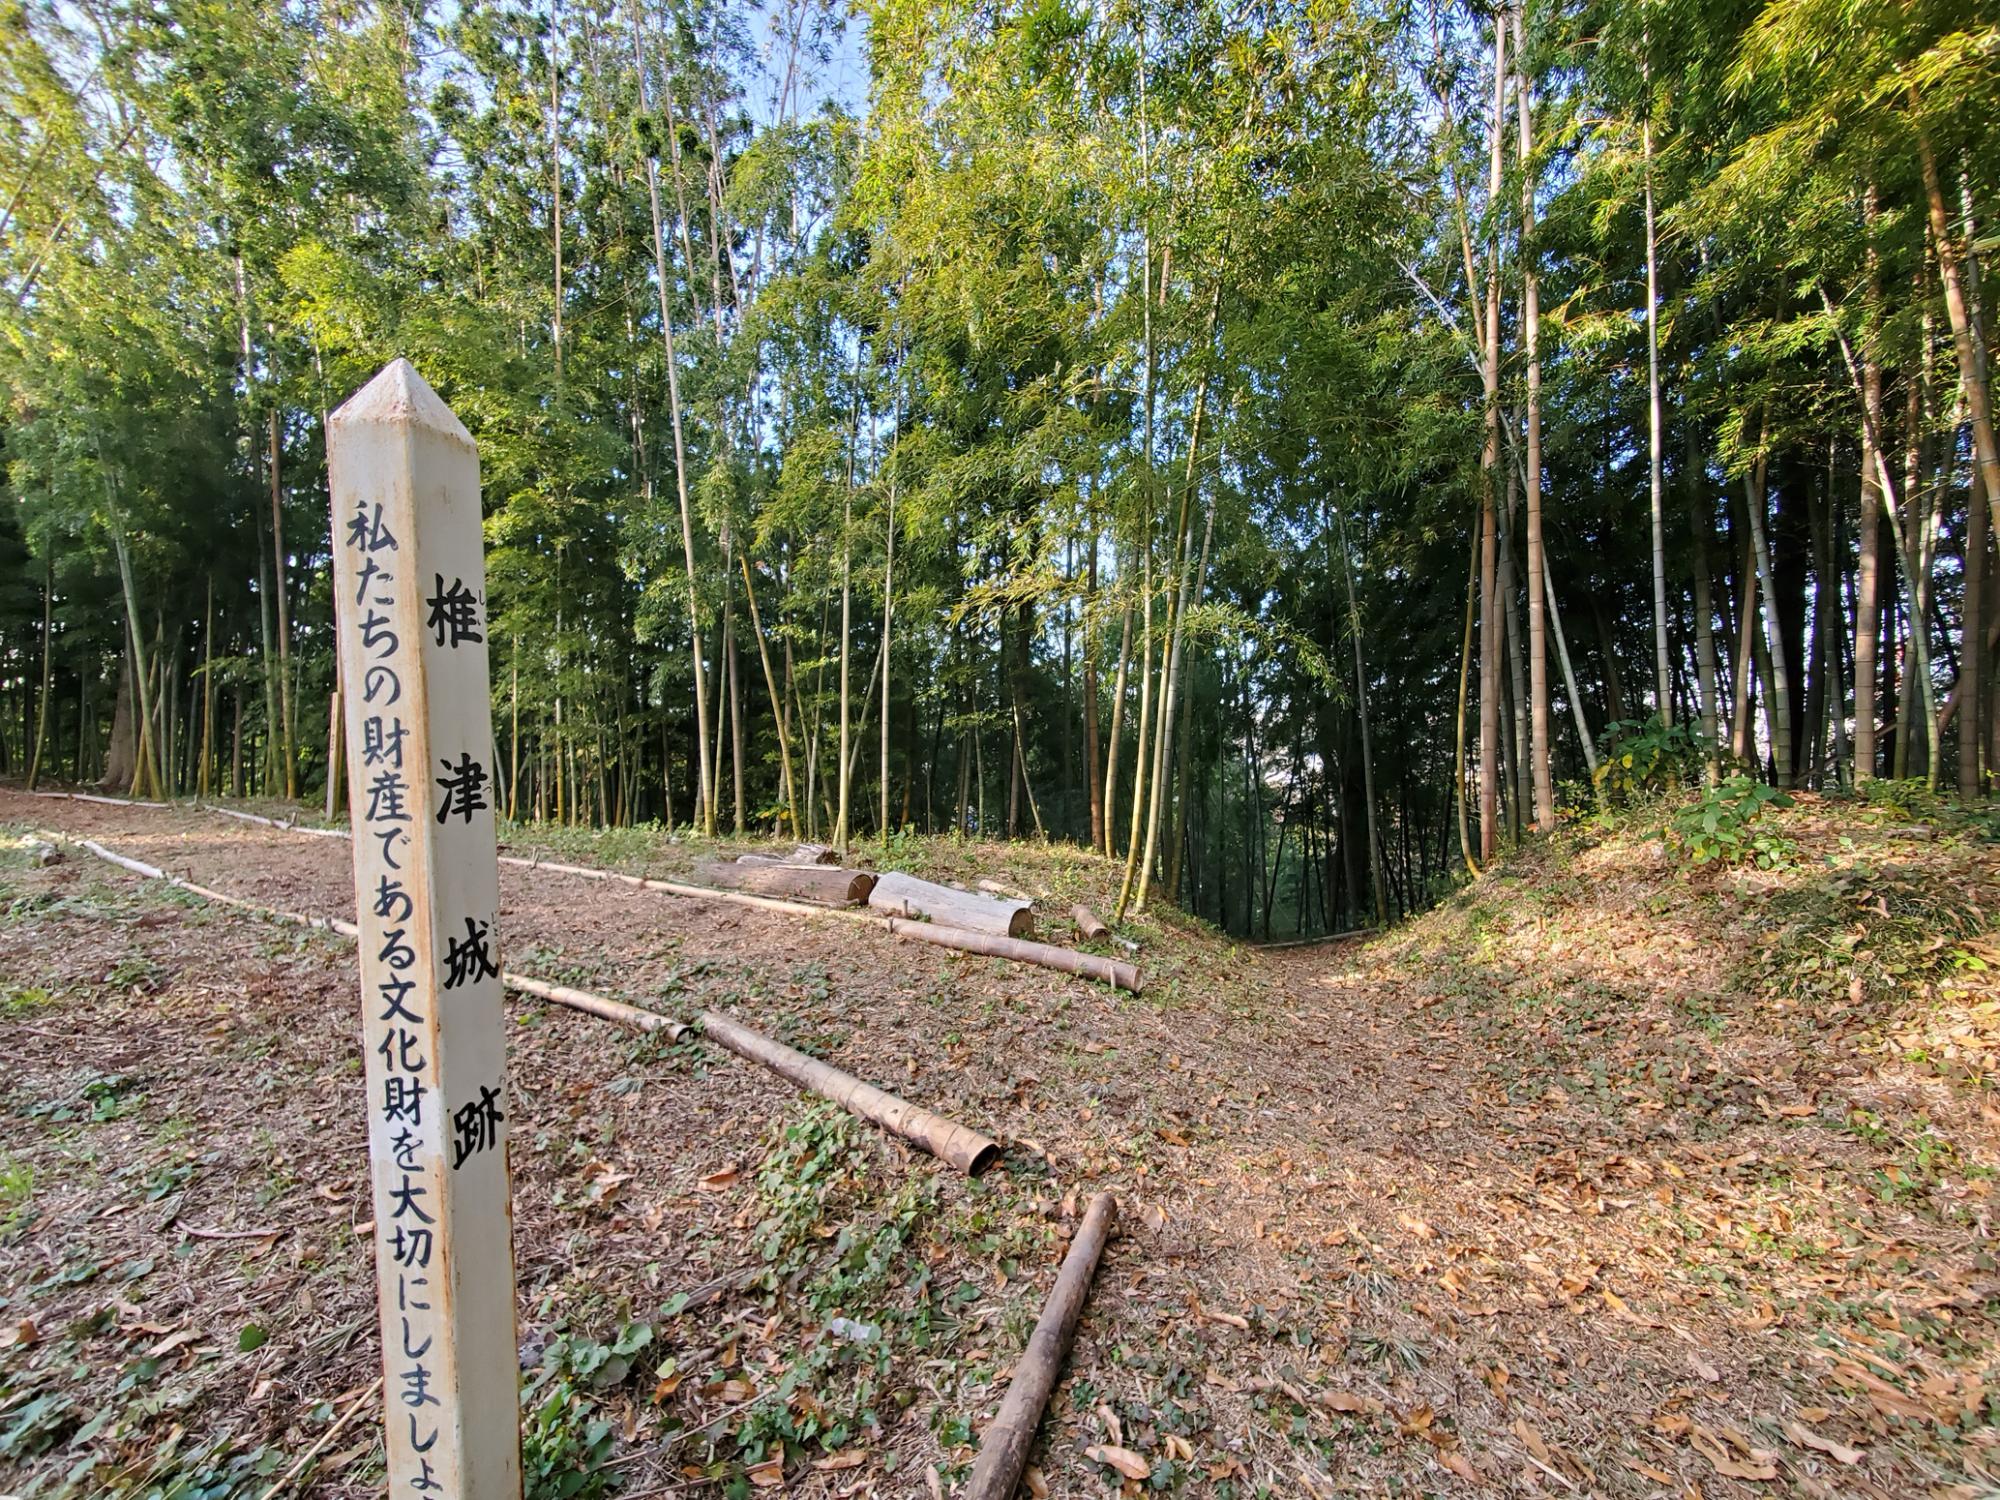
(410, 575)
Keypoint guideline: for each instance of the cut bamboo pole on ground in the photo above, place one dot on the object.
(900, 895)
(959, 1145)
(1088, 924)
(694, 892)
(615, 1011)
(277, 823)
(1119, 975)
(947, 1140)
(91, 797)
(1003, 1451)
(828, 884)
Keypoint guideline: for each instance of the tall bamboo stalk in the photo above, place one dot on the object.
(1655, 419)
(42, 699)
(1542, 772)
(704, 769)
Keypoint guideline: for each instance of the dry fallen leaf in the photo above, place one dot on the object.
(1416, 1226)
(172, 1342)
(667, 1386)
(1460, 1465)
(720, 1181)
(1755, 1464)
(1805, 1437)
(1347, 1401)
(1124, 1460)
(1038, 1484)
(769, 1474)
(1658, 1476)
(852, 1458)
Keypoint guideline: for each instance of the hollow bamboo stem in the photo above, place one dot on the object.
(1003, 1451)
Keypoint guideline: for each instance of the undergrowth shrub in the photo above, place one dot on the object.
(1913, 802)
(1720, 826)
(1642, 757)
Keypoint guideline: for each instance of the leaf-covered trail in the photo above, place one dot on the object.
(1382, 1224)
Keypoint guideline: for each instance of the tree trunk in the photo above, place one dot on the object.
(889, 616)
(204, 778)
(1464, 677)
(1489, 554)
(704, 771)
(1361, 704)
(287, 734)
(780, 712)
(1093, 767)
(1972, 648)
(1117, 730)
(1663, 687)
(145, 768)
(1538, 646)
(1953, 263)
(1779, 698)
(42, 699)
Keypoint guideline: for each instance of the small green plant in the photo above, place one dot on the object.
(17, 1000)
(566, 1439)
(1719, 827)
(17, 1182)
(814, 1159)
(100, 1100)
(1642, 757)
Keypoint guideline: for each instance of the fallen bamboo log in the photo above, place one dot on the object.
(596, 1005)
(1119, 975)
(1087, 923)
(695, 892)
(154, 872)
(91, 797)
(902, 895)
(278, 823)
(1003, 1451)
(962, 1147)
(1122, 976)
(823, 883)
(965, 1149)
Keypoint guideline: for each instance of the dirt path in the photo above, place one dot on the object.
(1366, 1243)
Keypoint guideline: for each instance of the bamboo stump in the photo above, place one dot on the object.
(1088, 924)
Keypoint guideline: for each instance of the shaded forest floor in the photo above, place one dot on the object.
(1601, 1179)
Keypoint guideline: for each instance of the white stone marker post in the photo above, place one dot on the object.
(409, 567)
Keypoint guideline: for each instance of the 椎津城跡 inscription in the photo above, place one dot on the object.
(409, 571)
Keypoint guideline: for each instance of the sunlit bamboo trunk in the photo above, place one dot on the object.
(704, 771)
(1489, 462)
(1539, 739)
(42, 699)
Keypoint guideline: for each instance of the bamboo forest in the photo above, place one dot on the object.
(1068, 749)
(1289, 449)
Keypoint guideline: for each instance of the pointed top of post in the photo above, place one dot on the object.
(398, 394)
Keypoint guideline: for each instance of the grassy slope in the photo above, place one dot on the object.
(1725, 1133)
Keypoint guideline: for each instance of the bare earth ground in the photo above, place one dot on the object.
(1602, 1179)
